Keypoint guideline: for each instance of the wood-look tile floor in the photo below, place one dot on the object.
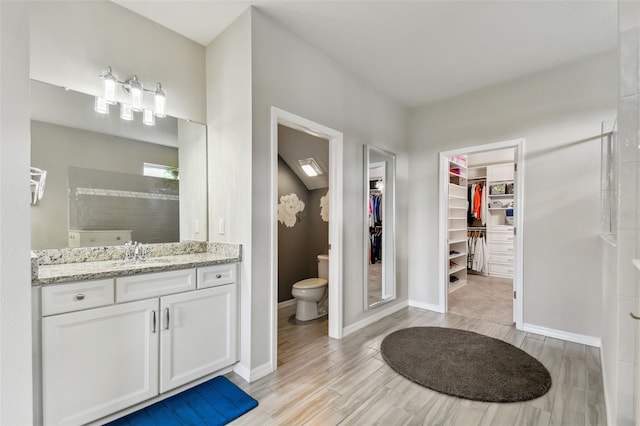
(321, 381)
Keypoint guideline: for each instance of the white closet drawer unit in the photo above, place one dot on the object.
(501, 258)
(212, 276)
(145, 286)
(500, 237)
(501, 249)
(501, 270)
(57, 299)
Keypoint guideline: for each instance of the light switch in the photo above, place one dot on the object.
(196, 226)
(221, 226)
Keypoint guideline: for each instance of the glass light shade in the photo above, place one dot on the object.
(135, 89)
(148, 118)
(101, 105)
(126, 112)
(110, 84)
(160, 98)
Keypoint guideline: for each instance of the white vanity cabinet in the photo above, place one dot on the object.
(198, 334)
(98, 361)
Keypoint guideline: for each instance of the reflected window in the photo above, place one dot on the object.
(160, 171)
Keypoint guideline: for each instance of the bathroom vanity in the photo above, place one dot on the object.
(111, 335)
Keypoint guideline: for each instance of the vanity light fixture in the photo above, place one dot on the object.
(135, 90)
(310, 167)
(148, 117)
(160, 98)
(126, 112)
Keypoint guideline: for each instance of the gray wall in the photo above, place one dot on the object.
(559, 113)
(299, 246)
(55, 148)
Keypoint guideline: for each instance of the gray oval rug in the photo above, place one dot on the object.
(465, 364)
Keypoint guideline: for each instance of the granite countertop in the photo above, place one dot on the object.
(55, 271)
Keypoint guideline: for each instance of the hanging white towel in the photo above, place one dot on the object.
(483, 205)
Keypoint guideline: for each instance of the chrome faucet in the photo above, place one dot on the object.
(135, 250)
(140, 251)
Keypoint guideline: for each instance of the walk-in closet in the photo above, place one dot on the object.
(481, 214)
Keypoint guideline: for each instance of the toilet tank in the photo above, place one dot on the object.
(323, 266)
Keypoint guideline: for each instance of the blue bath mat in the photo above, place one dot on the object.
(216, 402)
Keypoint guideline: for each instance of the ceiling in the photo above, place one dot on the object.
(418, 52)
(294, 145)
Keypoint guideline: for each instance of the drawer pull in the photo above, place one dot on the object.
(166, 325)
(79, 297)
(153, 319)
(218, 276)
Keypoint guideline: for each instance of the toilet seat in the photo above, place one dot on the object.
(311, 283)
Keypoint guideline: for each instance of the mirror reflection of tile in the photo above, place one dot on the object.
(105, 200)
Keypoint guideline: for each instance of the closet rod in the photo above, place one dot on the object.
(476, 228)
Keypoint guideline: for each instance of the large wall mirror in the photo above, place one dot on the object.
(110, 180)
(379, 229)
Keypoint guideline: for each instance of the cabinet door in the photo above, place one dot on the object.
(99, 361)
(198, 334)
(500, 172)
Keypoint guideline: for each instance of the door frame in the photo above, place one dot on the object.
(279, 116)
(443, 216)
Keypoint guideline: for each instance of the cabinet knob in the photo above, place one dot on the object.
(79, 296)
(218, 275)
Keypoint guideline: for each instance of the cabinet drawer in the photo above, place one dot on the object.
(212, 276)
(144, 286)
(500, 237)
(503, 270)
(57, 299)
(501, 249)
(501, 258)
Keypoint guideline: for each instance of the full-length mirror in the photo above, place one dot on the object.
(379, 226)
(110, 180)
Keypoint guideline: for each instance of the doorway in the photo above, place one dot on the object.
(481, 231)
(335, 141)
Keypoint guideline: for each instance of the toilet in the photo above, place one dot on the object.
(312, 292)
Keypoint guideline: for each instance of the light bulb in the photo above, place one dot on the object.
(160, 101)
(148, 118)
(126, 112)
(110, 83)
(101, 105)
(135, 88)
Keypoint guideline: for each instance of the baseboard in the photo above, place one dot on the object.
(380, 313)
(242, 371)
(426, 306)
(608, 407)
(252, 375)
(563, 335)
(261, 371)
(286, 303)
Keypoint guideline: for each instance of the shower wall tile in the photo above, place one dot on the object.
(627, 327)
(627, 190)
(627, 249)
(628, 58)
(628, 128)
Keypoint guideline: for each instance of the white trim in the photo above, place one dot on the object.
(426, 306)
(607, 399)
(261, 371)
(443, 220)
(380, 313)
(286, 303)
(242, 371)
(335, 138)
(563, 335)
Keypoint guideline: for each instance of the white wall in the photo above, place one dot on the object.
(15, 277)
(555, 111)
(74, 41)
(293, 75)
(228, 64)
